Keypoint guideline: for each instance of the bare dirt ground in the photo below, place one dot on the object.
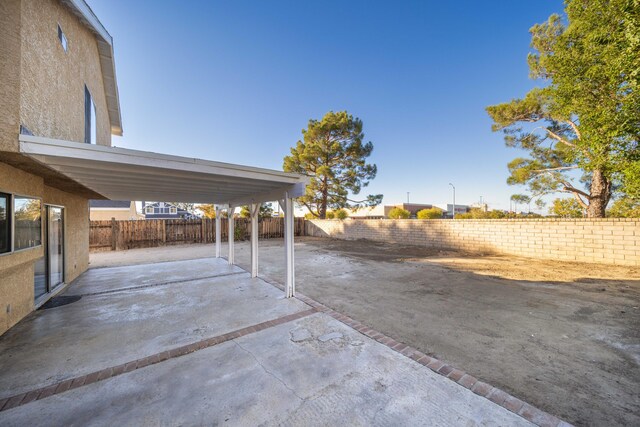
(564, 337)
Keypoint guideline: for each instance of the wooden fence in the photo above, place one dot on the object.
(118, 235)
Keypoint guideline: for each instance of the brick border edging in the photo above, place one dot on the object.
(460, 377)
(110, 372)
(483, 389)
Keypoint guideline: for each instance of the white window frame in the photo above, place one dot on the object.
(148, 210)
(173, 210)
(12, 220)
(92, 117)
(62, 38)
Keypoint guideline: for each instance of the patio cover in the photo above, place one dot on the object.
(124, 174)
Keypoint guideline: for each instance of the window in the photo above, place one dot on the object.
(62, 38)
(5, 223)
(90, 126)
(173, 211)
(148, 210)
(27, 214)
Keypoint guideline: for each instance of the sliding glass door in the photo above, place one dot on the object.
(49, 270)
(55, 245)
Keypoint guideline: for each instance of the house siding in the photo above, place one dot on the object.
(43, 89)
(16, 269)
(119, 214)
(52, 81)
(10, 48)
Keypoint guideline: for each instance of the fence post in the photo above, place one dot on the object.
(114, 234)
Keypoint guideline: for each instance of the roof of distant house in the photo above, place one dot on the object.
(110, 204)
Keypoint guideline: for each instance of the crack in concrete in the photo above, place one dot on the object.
(151, 285)
(280, 380)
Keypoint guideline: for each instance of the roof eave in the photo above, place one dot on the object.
(107, 60)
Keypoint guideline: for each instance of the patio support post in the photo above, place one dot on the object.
(218, 232)
(255, 211)
(231, 234)
(287, 208)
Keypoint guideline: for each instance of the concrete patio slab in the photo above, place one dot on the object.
(269, 378)
(104, 330)
(99, 280)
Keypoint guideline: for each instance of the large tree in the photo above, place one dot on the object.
(521, 199)
(332, 153)
(582, 127)
(266, 211)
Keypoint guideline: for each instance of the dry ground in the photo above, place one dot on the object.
(564, 337)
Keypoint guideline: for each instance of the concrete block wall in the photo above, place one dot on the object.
(604, 241)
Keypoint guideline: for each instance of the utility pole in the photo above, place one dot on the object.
(453, 215)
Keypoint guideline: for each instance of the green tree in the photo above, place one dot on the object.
(586, 117)
(624, 208)
(266, 211)
(567, 208)
(521, 199)
(399, 213)
(341, 214)
(208, 210)
(432, 213)
(631, 179)
(333, 155)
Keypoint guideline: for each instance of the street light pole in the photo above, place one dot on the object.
(453, 214)
(407, 197)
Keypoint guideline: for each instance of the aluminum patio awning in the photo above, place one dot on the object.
(124, 174)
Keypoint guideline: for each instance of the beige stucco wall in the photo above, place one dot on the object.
(9, 74)
(118, 214)
(17, 269)
(52, 81)
(76, 233)
(42, 88)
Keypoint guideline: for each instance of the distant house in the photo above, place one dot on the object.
(460, 209)
(102, 210)
(164, 210)
(376, 212)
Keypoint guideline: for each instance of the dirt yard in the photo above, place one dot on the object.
(564, 337)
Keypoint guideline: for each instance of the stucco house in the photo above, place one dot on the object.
(120, 210)
(59, 108)
(57, 80)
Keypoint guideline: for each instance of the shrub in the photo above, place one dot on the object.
(341, 214)
(475, 213)
(239, 232)
(399, 213)
(433, 213)
(330, 215)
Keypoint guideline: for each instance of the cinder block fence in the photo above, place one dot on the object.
(605, 241)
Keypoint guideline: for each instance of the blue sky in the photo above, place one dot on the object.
(237, 81)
